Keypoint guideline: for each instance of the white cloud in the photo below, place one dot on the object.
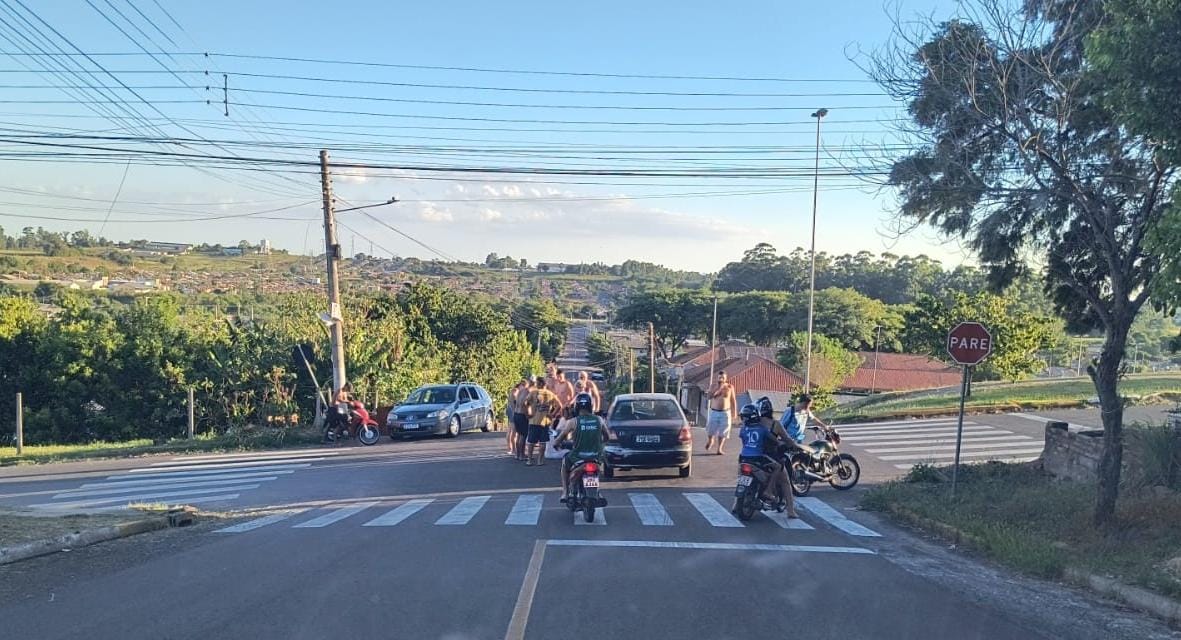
(491, 215)
(429, 212)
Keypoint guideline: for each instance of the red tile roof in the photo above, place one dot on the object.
(901, 372)
(744, 374)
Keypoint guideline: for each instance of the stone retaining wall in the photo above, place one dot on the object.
(1073, 453)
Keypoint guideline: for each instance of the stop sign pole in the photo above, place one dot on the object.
(968, 344)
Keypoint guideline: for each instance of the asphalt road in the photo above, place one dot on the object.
(450, 539)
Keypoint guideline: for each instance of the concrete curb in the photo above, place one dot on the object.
(36, 548)
(1135, 597)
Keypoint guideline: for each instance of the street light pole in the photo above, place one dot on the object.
(819, 115)
(876, 346)
(335, 319)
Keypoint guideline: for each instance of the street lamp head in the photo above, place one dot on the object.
(392, 200)
(820, 113)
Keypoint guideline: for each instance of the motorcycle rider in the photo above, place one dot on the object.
(588, 432)
(795, 421)
(759, 441)
(785, 443)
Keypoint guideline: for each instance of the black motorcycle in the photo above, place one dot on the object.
(583, 483)
(822, 461)
(752, 478)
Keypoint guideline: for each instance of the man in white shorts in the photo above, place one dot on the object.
(723, 407)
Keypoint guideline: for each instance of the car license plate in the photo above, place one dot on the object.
(410, 425)
(745, 480)
(647, 439)
(590, 482)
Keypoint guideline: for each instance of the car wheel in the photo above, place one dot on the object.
(686, 470)
(453, 428)
(487, 423)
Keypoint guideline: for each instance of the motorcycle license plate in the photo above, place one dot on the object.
(647, 439)
(745, 481)
(590, 482)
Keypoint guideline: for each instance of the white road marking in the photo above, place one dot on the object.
(600, 518)
(896, 422)
(142, 497)
(516, 626)
(399, 514)
(1037, 418)
(226, 457)
(968, 437)
(922, 428)
(334, 516)
(712, 510)
(911, 465)
(79, 493)
(133, 481)
(464, 511)
(169, 466)
(991, 446)
(835, 518)
(782, 520)
(526, 510)
(651, 512)
(711, 546)
(251, 525)
(149, 472)
(935, 433)
(969, 454)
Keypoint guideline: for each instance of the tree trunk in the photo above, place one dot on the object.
(1106, 376)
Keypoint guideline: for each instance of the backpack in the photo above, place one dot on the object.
(791, 425)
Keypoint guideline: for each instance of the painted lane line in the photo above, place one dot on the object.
(334, 516)
(782, 520)
(251, 525)
(516, 625)
(262, 456)
(968, 437)
(912, 465)
(526, 511)
(135, 481)
(991, 446)
(169, 467)
(463, 512)
(600, 518)
(893, 422)
(869, 431)
(712, 510)
(835, 518)
(140, 497)
(1043, 420)
(651, 512)
(934, 433)
(970, 454)
(399, 514)
(180, 473)
(711, 546)
(76, 493)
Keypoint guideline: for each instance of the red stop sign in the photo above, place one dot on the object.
(969, 343)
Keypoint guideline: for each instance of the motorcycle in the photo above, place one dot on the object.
(583, 482)
(747, 501)
(822, 461)
(347, 418)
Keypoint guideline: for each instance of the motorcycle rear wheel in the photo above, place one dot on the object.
(800, 483)
(368, 434)
(748, 504)
(846, 472)
(588, 513)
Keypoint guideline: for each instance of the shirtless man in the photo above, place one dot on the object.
(585, 385)
(723, 408)
(561, 387)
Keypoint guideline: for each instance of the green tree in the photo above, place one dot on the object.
(832, 364)
(676, 315)
(541, 317)
(761, 317)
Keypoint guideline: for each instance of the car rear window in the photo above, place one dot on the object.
(645, 410)
(432, 395)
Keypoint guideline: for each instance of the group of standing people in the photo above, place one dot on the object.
(537, 404)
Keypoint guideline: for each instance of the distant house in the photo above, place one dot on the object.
(552, 267)
(750, 374)
(884, 372)
(727, 350)
(167, 247)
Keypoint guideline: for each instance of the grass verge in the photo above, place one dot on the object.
(18, 528)
(1032, 394)
(1022, 518)
(244, 440)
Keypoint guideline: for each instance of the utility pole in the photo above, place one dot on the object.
(873, 386)
(332, 254)
(819, 115)
(651, 358)
(631, 370)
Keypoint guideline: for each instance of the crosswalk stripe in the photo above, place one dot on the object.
(335, 515)
(782, 520)
(600, 518)
(712, 510)
(140, 497)
(911, 465)
(399, 514)
(922, 428)
(526, 510)
(651, 512)
(139, 481)
(464, 511)
(893, 422)
(950, 446)
(82, 493)
(303, 453)
(251, 525)
(150, 472)
(933, 433)
(968, 437)
(971, 454)
(227, 465)
(837, 519)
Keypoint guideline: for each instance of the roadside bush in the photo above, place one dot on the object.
(1157, 455)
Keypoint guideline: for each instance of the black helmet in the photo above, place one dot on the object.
(749, 414)
(584, 402)
(766, 409)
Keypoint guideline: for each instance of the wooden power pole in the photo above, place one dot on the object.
(332, 253)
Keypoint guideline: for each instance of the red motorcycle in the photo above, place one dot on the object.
(347, 418)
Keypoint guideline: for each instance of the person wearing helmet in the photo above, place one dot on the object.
(761, 437)
(588, 433)
(785, 442)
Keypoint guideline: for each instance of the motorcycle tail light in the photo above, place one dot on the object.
(590, 467)
(746, 469)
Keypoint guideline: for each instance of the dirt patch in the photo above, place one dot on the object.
(16, 528)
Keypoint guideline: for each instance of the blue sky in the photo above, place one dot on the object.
(470, 215)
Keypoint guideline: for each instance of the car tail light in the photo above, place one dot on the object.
(746, 469)
(685, 435)
(590, 467)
